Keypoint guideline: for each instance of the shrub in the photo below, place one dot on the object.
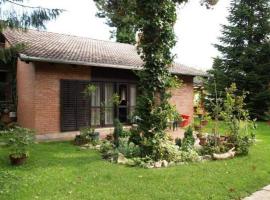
(18, 140)
(241, 144)
(107, 150)
(128, 149)
(189, 156)
(135, 136)
(164, 149)
(118, 131)
(188, 140)
(87, 135)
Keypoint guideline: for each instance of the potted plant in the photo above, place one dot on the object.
(18, 140)
(205, 119)
(87, 135)
(203, 141)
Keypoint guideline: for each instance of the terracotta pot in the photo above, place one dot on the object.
(204, 122)
(268, 122)
(17, 160)
(197, 127)
(199, 135)
(203, 141)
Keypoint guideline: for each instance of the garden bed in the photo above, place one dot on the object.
(62, 170)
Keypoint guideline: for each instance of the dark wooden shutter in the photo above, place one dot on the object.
(75, 107)
(68, 105)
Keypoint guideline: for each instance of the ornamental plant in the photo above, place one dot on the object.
(241, 127)
(18, 141)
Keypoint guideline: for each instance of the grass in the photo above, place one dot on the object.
(62, 171)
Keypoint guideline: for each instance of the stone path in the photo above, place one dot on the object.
(263, 194)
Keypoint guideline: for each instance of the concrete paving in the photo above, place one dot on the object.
(263, 194)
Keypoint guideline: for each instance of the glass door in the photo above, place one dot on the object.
(123, 106)
(108, 104)
(96, 105)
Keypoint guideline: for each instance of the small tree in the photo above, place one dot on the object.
(238, 120)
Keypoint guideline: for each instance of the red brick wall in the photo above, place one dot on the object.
(45, 117)
(25, 92)
(47, 93)
(183, 97)
(39, 94)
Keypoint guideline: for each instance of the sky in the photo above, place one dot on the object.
(197, 28)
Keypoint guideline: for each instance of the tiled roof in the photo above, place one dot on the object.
(62, 48)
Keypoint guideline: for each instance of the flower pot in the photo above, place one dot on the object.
(80, 140)
(203, 141)
(268, 122)
(204, 122)
(197, 127)
(15, 160)
(199, 135)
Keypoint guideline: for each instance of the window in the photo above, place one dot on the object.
(96, 106)
(98, 110)
(108, 103)
(5, 86)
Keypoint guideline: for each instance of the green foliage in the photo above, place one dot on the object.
(89, 90)
(107, 150)
(128, 149)
(240, 127)
(189, 156)
(120, 14)
(123, 15)
(188, 140)
(16, 14)
(66, 172)
(118, 131)
(213, 146)
(245, 50)
(154, 20)
(18, 140)
(164, 149)
(87, 135)
(234, 112)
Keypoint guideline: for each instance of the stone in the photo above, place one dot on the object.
(121, 159)
(97, 147)
(207, 157)
(158, 164)
(164, 163)
(267, 188)
(260, 195)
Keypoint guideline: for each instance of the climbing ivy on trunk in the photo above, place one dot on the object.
(156, 19)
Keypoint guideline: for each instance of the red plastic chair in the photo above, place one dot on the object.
(185, 120)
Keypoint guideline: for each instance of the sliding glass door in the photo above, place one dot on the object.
(98, 110)
(108, 104)
(96, 105)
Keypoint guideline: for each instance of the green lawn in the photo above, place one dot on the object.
(62, 171)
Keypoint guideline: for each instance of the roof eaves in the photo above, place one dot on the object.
(24, 57)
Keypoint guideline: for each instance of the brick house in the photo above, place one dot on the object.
(54, 69)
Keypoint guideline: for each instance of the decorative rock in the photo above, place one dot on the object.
(165, 163)
(171, 163)
(121, 159)
(207, 157)
(97, 147)
(158, 164)
(149, 166)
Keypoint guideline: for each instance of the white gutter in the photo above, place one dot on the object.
(26, 58)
